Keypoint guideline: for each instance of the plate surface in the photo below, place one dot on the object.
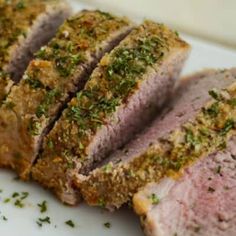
(88, 221)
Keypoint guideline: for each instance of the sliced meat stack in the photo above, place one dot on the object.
(121, 95)
(59, 70)
(24, 27)
(192, 128)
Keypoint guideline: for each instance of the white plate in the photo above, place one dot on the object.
(88, 221)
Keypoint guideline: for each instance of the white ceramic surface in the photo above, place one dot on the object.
(212, 19)
(88, 221)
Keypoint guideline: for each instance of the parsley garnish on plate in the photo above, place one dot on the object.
(43, 206)
(70, 223)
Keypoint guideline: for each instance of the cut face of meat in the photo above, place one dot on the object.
(24, 27)
(59, 70)
(190, 128)
(122, 94)
(201, 202)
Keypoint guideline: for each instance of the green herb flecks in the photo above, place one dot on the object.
(215, 94)
(20, 5)
(50, 144)
(49, 99)
(154, 199)
(129, 63)
(19, 203)
(4, 218)
(6, 200)
(20, 197)
(193, 140)
(107, 225)
(232, 102)
(107, 168)
(34, 127)
(229, 124)
(70, 223)
(64, 55)
(42, 221)
(34, 83)
(16, 194)
(213, 110)
(43, 206)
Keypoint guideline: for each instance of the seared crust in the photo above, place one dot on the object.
(59, 70)
(24, 27)
(114, 184)
(118, 76)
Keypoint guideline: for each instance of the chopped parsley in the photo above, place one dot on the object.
(43, 206)
(229, 124)
(20, 5)
(42, 221)
(19, 203)
(34, 127)
(107, 168)
(213, 110)
(6, 200)
(232, 102)
(154, 199)
(24, 195)
(4, 218)
(14, 195)
(50, 144)
(70, 223)
(107, 225)
(214, 94)
(49, 99)
(101, 202)
(33, 83)
(192, 139)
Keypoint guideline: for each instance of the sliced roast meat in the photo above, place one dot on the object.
(119, 98)
(24, 27)
(201, 202)
(180, 135)
(59, 70)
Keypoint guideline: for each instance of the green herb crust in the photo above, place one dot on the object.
(59, 70)
(116, 78)
(207, 133)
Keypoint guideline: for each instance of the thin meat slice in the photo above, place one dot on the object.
(59, 70)
(180, 135)
(201, 202)
(121, 95)
(24, 27)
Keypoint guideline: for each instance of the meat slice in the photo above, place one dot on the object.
(201, 202)
(24, 27)
(180, 135)
(59, 70)
(119, 98)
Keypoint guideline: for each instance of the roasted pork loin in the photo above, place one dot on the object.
(122, 94)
